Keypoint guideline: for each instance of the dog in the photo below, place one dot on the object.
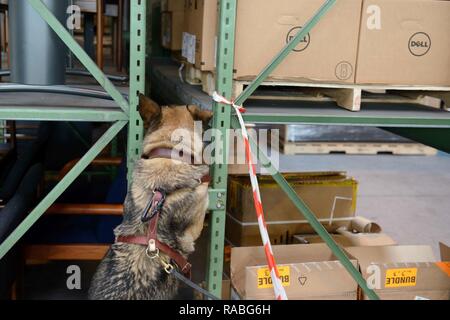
(128, 271)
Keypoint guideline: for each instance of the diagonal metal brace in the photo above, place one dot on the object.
(51, 197)
(84, 58)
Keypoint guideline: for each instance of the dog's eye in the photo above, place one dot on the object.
(145, 157)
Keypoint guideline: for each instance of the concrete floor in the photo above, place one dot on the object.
(409, 196)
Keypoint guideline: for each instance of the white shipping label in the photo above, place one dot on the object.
(188, 50)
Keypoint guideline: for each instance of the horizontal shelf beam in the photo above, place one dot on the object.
(63, 113)
(436, 138)
(351, 120)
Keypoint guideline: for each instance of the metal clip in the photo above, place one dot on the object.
(152, 255)
(152, 251)
(167, 266)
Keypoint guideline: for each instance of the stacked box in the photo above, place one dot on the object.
(309, 272)
(404, 43)
(172, 24)
(330, 195)
(324, 55)
(390, 42)
(199, 36)
(403, 272)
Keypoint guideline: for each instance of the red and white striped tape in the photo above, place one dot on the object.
(280, 293)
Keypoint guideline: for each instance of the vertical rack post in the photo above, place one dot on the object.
(221, 122)
(3, 131)
(138, 33)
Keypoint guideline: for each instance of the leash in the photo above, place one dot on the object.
(280, 293)
(193, 285)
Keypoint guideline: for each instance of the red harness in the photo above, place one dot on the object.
(151, 213)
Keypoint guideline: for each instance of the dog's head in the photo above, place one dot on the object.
(187, 199)
(170, 117)
(173, 126)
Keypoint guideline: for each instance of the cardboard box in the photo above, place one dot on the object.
(328, 53)
(404, 42)
(330, 195)
(445, 252)
(315, 238)
(366, 239)
(307, 271)
(172, 5)
(324, 54)
(362, 232)
(226, 289)
(199, 36)
(403, 272)
(349, 239)
(172, 24)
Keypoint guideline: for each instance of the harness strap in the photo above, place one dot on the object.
(151, 240)
(152, 236)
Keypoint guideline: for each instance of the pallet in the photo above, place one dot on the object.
(356, 148)
(339, 134)
(348, 96)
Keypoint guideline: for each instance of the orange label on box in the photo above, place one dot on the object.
(265, 280)
(405, 277)
(444, 266)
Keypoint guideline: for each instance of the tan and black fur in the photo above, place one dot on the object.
(126, 273)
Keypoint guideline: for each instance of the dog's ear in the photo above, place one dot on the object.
(200, 115)
(149, 110)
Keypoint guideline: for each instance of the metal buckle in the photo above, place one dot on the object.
(152, 251)
(152, 255)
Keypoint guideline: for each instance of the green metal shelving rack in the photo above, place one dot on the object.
(126, 113)
(413, 120)
(223, 121)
